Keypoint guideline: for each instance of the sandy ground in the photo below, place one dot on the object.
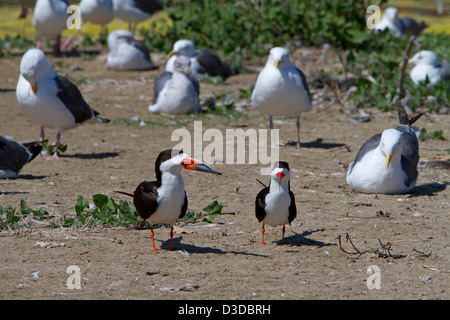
(224, 260)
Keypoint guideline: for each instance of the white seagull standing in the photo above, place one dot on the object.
(177, 92)
(127, 53)
(15, 155)
(49, 99)
(281, 89)
(203, 62)
(49, 20)
(135, 11)
(387, 162)
(428, 66)
(275, 204)
(94, 11)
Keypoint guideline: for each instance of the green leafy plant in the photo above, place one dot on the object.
(50, 149)
(424, 135)
(12, 219)
(105, 212)
(211, 211)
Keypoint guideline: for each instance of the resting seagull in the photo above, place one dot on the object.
(165, 200)
(275, 204)
(398, 26)
(50, 19)
(203, 62)
(127, 53)
(51, 100)
(177, 92)
(135, 11)
(428, 66)
(281, 89)
(15, 155)
(387, 162)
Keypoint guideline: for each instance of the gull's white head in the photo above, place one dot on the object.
(390, 144)
(33, 66)
(120, 36)
(183, 47)
(182, 64)
(391, 14)
(279, 57)
(425, 57)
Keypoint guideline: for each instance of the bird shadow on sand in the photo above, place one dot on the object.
(428, 189)
(13, 192)
(301, 239)
(88, 156)
(193, 249)
(317, 144)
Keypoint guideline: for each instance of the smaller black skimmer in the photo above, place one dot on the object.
(275, 204)
(164, 200)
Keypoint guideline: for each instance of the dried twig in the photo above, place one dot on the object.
(382, 252)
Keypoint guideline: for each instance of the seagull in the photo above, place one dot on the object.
(203, 62)
(398, 26)
(135, 11)
(177, 92)
(49, 99)
(15, 155)
(164, 200)
(281, 89)
(127, 53)
(387, 162)
(49, 20)
(94, 11)
(275, 204)
(428, 66)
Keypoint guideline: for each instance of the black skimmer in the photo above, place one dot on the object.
(15, 155)
(203, 62)
(275, 204)
(176, 92)
(281, 89)
(49, 99)
(164, 200)
(387, 162)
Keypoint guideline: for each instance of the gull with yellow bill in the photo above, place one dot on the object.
(281, 89)
(387, 162)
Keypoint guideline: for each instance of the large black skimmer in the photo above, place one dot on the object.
(275, 204)
(164, 200)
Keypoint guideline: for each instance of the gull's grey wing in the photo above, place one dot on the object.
(367, 146)
(212, 65)
(305, 83)
(410, 156)
(143, 48)
(14, 155)
(445, 70)
(412, 26)
(159, 84)
(196, 84)
(71, 97)
(149, 6)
